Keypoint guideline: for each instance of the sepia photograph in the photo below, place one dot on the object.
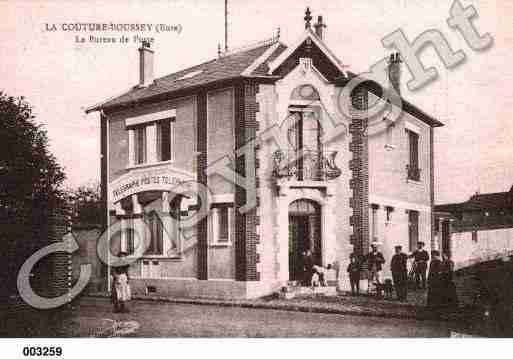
(255, 169)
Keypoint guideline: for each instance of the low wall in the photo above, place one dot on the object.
(471, 247)
(194, 288)
(87, 239)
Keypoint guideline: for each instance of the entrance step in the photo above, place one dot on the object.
(296, 290)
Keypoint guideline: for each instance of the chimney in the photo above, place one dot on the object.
(145, 64)
(394, 71)
(319, 27)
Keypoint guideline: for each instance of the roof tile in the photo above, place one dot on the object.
(225, 67)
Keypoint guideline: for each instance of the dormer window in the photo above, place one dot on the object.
(189, 75)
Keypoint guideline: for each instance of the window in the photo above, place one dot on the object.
(390, 126)
(130, 237)
(413, 229)
(389, 211)
(303, 134)
(221, 218)
(224, 225)
(140, 144)
(164, 134)
(155, 228)
(413, 166)
(151, 142)
(374, 222)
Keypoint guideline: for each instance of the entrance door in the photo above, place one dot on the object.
(304, 234)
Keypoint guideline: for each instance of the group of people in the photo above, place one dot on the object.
(313, 274)
(439, 281)
(440, 285)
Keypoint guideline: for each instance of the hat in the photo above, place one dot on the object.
(375, 244)
(421, 243)
(398, 247)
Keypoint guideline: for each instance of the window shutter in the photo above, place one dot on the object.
(165, 139)
(414, 149)
(140, 155)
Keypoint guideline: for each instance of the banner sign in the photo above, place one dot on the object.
(168, 179)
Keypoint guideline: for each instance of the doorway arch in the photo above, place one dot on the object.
(304, 234)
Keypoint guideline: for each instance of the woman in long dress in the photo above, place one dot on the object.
(121, 293)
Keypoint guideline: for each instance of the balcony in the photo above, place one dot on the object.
(305, 165)
(413, 173)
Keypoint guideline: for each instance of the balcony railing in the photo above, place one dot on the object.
(413, 173)
(305, 165)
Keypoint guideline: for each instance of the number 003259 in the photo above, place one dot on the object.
(42, 351)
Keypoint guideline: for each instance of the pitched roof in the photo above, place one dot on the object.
(498, 200)
(480, 202)
(257, 62)
(225, 67)
(407, 106)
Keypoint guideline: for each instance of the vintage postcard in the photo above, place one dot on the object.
(255, 169)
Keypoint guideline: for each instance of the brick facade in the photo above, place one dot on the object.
(58, 265)
(246, 238)
(202, 178)
(227, 117)
(359, 182)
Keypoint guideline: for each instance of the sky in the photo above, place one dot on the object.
(61, 77)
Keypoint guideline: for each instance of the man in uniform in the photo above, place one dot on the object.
(421, 258)
(400, 273)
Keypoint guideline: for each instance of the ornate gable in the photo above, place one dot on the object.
(312, 47)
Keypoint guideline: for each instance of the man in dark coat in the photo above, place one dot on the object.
(354, 269)
(308, 263)
(435, 296)
(400, 273)
(421, 258)
(450, 294)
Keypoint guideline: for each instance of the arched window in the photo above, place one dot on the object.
(305, 92)
(304, 207)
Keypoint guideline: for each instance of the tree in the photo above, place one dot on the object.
(30, 187)
(30, 176)
(86, 204)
